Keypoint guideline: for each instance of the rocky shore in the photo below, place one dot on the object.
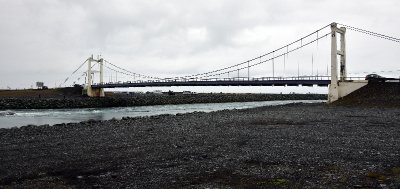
(291, 146)
(144, 100)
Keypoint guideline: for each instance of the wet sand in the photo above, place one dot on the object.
(291, 146)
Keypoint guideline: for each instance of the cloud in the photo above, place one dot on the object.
(47, 39)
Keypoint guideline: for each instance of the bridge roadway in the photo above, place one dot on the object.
(321, 81)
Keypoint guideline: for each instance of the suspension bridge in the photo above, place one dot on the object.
(339, 83)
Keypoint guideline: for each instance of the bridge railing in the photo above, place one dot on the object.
(233, 79)
(354, 78)
(293, 78)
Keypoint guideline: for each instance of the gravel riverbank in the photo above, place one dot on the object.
(291, 146)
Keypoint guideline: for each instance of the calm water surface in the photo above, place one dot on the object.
(12, 118)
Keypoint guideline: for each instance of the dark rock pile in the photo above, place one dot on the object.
(375, 94)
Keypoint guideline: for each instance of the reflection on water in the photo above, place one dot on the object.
(12, 118)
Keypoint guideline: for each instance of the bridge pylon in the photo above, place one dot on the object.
(340, 88)
(97, 92)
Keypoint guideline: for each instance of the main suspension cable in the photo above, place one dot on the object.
(250, 60)
(394, 39)
(131, 73)
(80, 66)
(267, 60)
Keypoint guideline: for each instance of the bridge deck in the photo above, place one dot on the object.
(322, 83)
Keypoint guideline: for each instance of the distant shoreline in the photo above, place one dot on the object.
(61, 102)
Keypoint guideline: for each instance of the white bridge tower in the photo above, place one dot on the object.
(98, 92)
(340, 88)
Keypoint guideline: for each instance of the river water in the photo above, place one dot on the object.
(13, 118)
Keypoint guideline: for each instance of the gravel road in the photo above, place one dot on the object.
(291, 146)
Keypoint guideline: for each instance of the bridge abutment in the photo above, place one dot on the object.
(343, 88)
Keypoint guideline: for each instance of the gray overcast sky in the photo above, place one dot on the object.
(46, 40)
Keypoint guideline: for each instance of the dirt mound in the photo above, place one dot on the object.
(373, 95)
(43, 93)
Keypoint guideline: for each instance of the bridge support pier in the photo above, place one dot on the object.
(342, 87)
(96, 93)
